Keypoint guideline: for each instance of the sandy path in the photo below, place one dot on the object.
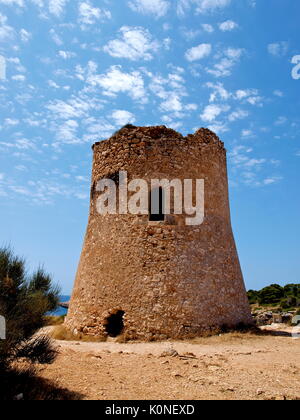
(225, 367)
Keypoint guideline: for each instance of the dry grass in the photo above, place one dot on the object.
(54, 320)
(60, 332)
(121, 339)
(226, 335)
(220, 335)
(227, 338)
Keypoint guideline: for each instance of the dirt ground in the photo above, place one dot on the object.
(228, 367)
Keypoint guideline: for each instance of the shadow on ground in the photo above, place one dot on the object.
(26, 385)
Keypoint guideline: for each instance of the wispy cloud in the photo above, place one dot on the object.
(157, 8)
(133, 43)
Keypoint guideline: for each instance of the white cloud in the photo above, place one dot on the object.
(218, 128)
(190, 33)
(25, 35)
(255, 100)
(238, 115)
(229, 58)
(55, 37)
(45, 191)
(67, 132)
(19, 78)
(246, 93)
(19, 3)
(6, 31)
(218, 91)
(207, 28)
(278, 93)
(191, 107)
(11, 122)
(251, 167)
(281, 120)
(39, 3)
(2, 68)
(172, 104)
(97, 128)
(56, 7)
(135, 43)
(272, 180)
(202, 6)
(15, 61)
(228, 25)
(67, 110)
(88, 14)
(278, 49)
(255, 162)
(247, 133)
(158, 8)
(75, 107)
(116, 81)
(66, 55)
(171, 90)
(20, 144)
(199, 52)
(211, 112)
(123, 117)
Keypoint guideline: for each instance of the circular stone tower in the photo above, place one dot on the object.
(154, 280)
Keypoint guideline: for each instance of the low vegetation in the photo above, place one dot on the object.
(275, 296)
(60, 332)
(54, 320)
(24, 301)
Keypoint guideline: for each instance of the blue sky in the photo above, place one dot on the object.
(74, 71)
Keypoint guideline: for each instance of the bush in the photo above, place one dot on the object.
(24, 301)
(286, 297)
(271, 294)
(253, 297)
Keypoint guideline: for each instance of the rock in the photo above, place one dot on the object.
(260, 392)
(189, 356)
(169, 353)
(277, 318)
(268, 318)
(64, 305)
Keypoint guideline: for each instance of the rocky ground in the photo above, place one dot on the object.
(230, 367)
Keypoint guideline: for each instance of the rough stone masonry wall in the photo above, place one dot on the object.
(171, 280)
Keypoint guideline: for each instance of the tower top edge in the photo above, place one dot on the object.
(130, 132)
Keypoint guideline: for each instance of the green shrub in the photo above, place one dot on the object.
(271, 294)
(253, 297)
(285, 297)
(24, 301)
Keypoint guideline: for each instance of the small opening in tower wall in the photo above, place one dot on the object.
(156, 205)
(115, 324)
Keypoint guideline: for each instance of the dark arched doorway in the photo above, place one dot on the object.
(115, 324)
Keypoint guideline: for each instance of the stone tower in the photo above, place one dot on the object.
(154, 280)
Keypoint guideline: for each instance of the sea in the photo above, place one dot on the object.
(61, 311)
